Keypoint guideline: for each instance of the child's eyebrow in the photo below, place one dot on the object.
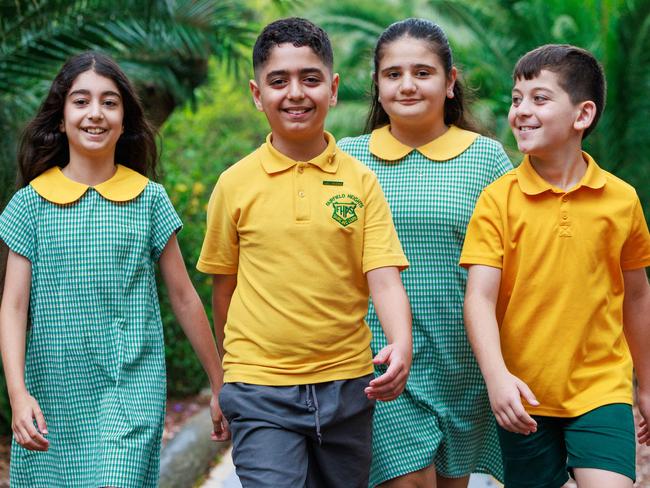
(284, 72)
(108, 93)
(416, 66)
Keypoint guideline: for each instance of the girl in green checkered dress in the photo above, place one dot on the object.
(87, 379)
(432, 168)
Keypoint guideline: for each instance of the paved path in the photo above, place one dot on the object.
(223, 476)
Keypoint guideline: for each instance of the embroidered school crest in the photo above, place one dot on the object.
(344, 208)
(344, 213)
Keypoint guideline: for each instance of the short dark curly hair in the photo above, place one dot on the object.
(296, 31)
(579, 74)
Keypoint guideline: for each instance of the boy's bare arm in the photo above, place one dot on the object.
(636, 319)
(394, 313)
(504, 389)
(190, 313)
(223, 286)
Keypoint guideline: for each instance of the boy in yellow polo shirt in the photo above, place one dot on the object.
(556, 251)
(299, 234)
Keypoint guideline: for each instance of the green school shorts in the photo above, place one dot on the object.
(602, 439)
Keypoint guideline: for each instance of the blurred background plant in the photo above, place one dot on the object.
(190, 62)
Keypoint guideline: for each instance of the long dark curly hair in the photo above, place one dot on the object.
(42, 145)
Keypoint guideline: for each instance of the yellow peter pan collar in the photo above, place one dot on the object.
(531, 183)
(449, 145)
(124, 185)
(273, 161)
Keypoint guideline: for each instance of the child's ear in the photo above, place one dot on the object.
(257, 97)
(334, 89)
(585, 115)
(451, 82)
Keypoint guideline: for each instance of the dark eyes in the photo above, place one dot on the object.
(281, 82)
(394, 75)
(538, 99)
(82, 102)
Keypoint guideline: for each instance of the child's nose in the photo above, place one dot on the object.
(407, 84)
(295, 90)
(95, 111)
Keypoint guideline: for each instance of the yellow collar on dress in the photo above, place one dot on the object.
(273, 161)
(531, 183)
(448, 146)
(124, 185)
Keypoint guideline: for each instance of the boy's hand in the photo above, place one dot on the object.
(643, 399)
(25, 410)
(221, 431)
(505, 399)
(390, 385)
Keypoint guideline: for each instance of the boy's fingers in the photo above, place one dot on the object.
(382, 356)
(527, 393)
(503, 421)
(386, 378)
(515, 422)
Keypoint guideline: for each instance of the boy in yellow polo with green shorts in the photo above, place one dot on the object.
(298, 235)
(557, 288)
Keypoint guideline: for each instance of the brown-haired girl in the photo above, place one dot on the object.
(87, 380)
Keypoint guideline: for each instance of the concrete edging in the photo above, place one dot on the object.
(189, 454)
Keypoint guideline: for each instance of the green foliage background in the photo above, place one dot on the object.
(190, 57)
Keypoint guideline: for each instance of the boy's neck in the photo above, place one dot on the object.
(300, 150)
(89, 172)
(563, 169)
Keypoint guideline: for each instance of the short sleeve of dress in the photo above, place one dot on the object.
(636, 250)
(220, 251)
(502, 163)
(381, 246)
(18, 226)
(164, 222)
(484, 238)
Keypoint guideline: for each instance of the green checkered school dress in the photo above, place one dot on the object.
(443, 416)
(95, 355)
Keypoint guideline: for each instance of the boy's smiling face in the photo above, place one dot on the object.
(543, 118)
(295, 89)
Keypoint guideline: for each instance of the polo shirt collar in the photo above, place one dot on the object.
(273, 161)
(448, 146)
(126, 184)
(531, 183)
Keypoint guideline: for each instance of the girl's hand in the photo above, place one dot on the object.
(390, 385)
(220, 431)
(505, 399)
(25, 410)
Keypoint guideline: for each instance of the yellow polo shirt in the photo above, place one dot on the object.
(560, 304)
(300, 235)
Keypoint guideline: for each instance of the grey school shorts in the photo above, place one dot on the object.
(300, 436)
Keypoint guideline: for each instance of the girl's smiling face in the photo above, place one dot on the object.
(93, 115)
(412, 83)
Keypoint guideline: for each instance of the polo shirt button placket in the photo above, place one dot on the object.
(565, 223)
(302, 205)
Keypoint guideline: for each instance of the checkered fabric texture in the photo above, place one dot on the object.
(95, 354)
(444, 414)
